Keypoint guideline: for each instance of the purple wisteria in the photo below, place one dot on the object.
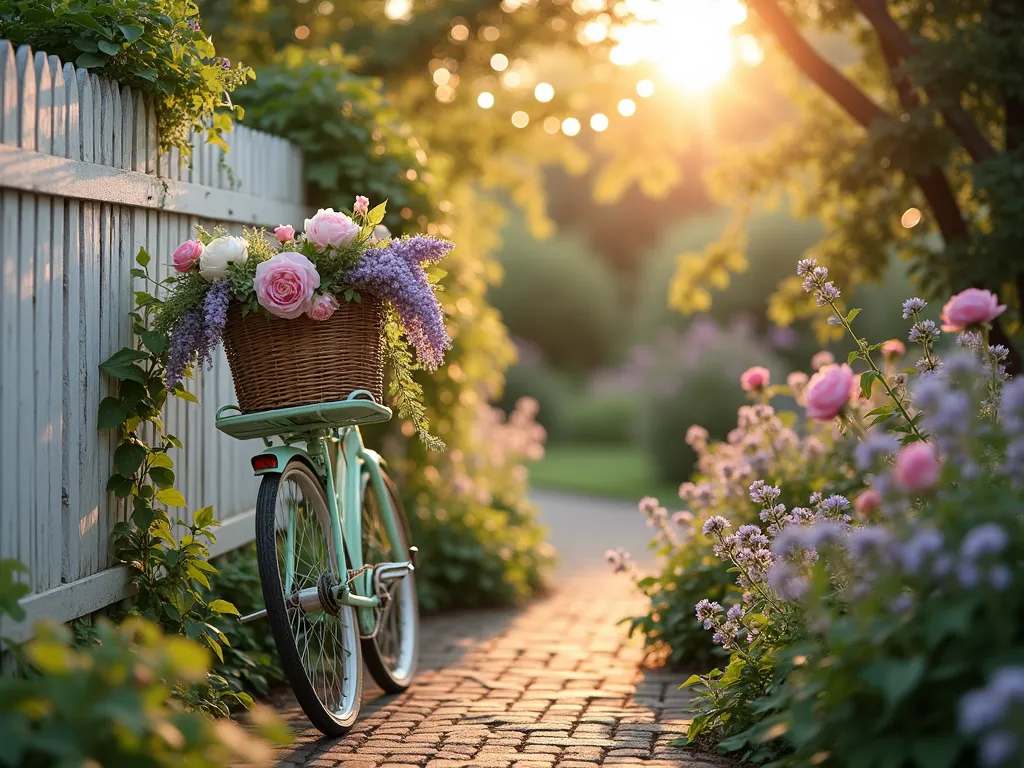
(198, 333)
(395, 273)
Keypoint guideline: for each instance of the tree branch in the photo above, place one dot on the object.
(851, 98)
(898, 49)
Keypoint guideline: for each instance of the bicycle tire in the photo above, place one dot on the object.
(393, 674)
(286, 622)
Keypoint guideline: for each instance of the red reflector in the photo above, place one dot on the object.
(264, 462)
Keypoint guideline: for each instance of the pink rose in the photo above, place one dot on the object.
(284, 233)
(971, 307)
(322, 307)
(329, 227)
(893, 348)
(187, 254)
(755, 378)
(917, 468)
(867, 502)
(828, 391)
(362, 205)
(285, 283)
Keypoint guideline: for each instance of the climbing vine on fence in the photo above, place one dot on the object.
(168, 571)
(156, 47)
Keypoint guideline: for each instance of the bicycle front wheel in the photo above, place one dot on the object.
(391, 653)
(294, 547)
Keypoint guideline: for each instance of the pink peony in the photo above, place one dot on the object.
(284, 233)
(867, 502)
(917, 468)
(285, 283)
(828, 391)
(894, 348)
(187, 254)
(362, 205)
(322, 307)
(755, 379)
(971, 307)
(330, 228)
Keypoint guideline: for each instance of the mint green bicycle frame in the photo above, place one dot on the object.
(344, 483)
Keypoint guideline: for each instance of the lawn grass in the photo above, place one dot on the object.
(620, 472)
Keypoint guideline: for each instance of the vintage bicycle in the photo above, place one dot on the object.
(334, 554)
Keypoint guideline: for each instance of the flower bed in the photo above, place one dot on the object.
(858, 563)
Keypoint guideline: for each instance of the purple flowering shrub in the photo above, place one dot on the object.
(874, 614)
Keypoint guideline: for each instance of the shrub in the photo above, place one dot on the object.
(485, 547)
(688, 379)
(603, 417)
(558, 295)
(155, 47)
(551, 389)
(881, 628)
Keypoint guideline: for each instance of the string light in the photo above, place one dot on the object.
(570, 126)
(544, 92)
(627, 107)
(485, 100)
(520, 119)
(645, 89)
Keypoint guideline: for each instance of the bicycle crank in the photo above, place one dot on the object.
(328, 596)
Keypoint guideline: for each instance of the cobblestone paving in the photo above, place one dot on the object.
(555, 684)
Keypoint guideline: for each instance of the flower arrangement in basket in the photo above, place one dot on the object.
(312, 317)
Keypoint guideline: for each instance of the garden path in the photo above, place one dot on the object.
(555, 684)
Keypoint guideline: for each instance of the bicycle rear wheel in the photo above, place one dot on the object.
(391, 653)
(294, 547)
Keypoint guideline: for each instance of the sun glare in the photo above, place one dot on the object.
(691, 42)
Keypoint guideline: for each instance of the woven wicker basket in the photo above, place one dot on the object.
(278, 363)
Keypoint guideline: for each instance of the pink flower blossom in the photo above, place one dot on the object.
(362, 205)
(917, 467)
(285, 283)
(971, 307)
(186, 255)
(867, 502)
(828, 391)
(330, 228)
(322, 307)
(755, 379)
(821, 359)
(893, 348)
(285, 233)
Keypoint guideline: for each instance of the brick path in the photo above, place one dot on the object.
(555, 684)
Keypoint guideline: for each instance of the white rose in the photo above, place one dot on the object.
(213, 265)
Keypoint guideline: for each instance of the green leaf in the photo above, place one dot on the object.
(223, 606)
(866, 380)
(936, 751)
(163, 477)
(691, 680)
(155, 342)
(90, 60)
(184, 394)
(851, 315)
(894, 677)
(376, 214)
(851, 357)
(112, 412)
(171, 498)
(129, 457)
(131, 32)
(203, 517)
(86, 19)
(111, 49)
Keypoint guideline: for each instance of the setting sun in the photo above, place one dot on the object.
(690, 42)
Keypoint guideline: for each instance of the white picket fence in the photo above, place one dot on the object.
(82, 187)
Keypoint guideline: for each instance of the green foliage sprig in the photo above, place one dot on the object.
(169, 572)
(155, 47)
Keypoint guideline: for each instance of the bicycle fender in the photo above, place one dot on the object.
(282, 454)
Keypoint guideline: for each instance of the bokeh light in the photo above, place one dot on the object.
(599, 122)
(627, 107)
(645, 89)
(442, 76)
(460, 32)
(911, 218)
(570, 126)
(485, 99)
(520, 119)
(301, 33)
(544, 92)
(499, 62)
(398, 10)
(552, 124)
